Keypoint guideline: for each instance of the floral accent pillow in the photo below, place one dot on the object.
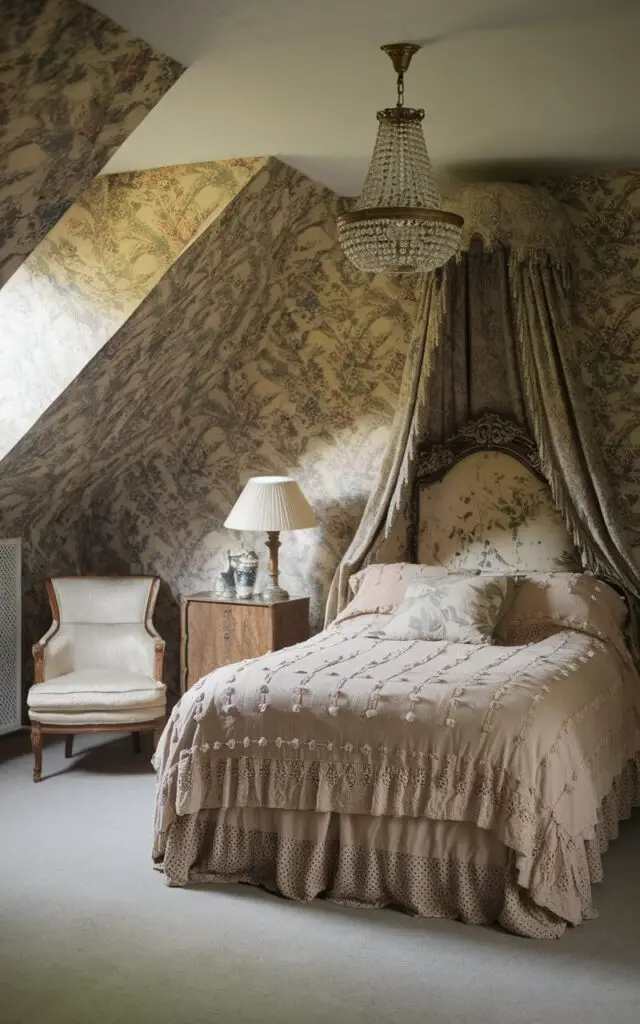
(380, 588)
(563, 600)
(463, 610)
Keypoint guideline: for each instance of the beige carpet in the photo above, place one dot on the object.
(89, 932)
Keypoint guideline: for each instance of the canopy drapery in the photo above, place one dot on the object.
(494, 334)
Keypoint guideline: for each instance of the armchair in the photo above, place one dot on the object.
(99, 666)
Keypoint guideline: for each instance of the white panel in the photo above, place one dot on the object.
(10, 634)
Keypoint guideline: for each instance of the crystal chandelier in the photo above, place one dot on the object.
(397, 224)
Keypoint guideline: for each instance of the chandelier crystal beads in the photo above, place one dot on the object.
(397, 224)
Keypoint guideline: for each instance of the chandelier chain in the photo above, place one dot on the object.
(401, 89)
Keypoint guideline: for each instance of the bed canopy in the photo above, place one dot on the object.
(494, 334)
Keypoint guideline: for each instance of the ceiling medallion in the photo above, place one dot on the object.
(397, 224)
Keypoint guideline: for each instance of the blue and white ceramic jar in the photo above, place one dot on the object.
(245, 572)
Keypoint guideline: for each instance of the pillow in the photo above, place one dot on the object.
(380, 588)
(463, 610)
(562, 600)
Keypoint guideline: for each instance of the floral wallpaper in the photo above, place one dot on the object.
(491, 514)
(92, 270)
(605, 213)
(260, 350)
(73, 86)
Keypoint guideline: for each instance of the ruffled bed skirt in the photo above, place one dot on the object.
(429, 868)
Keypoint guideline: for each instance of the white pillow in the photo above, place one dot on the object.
(463, 610)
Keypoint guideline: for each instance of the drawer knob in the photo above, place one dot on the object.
(226, 636)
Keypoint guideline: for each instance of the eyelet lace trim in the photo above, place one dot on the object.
(202, 847)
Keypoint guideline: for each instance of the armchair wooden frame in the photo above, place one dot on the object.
(40, 729)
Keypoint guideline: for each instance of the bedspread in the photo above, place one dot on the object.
(523, 741)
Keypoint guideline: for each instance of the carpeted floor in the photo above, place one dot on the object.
(89, 934)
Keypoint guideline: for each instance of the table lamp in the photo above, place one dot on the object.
(271, 503)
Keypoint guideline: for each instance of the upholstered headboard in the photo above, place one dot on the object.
(481, 503)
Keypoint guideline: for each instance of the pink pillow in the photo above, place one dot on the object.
(380, 588)
(547, 602)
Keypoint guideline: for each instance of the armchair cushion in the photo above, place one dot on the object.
(126, 719)
(98, 689)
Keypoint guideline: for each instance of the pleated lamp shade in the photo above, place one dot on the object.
(271, 503)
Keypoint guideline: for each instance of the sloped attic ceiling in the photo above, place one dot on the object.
(171, 356)
(510, 87)
(93, 268)
(73, 85)
(261, 349)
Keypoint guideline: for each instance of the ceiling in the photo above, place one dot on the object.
(510, 87)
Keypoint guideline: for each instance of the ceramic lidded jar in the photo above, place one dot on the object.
(245, 572)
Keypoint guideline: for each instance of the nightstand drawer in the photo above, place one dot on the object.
(214, 638)
(219, 632)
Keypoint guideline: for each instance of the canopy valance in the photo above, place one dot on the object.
(523, 219)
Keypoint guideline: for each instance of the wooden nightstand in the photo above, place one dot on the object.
(217, 631)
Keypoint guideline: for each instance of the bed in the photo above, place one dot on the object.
(480, 780)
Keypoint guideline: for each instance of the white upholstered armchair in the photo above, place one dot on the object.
(99, 666)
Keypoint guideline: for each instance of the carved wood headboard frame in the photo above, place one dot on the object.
(489, 432)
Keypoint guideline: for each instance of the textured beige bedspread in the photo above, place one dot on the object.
(523, 741)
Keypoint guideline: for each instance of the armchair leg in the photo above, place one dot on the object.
(36, 746)
(135, 736)
(68, 745)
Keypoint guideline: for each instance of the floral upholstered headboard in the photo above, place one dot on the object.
(480, 503)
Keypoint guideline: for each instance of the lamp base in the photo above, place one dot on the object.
(272, 592)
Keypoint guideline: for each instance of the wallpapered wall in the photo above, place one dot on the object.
(287, 360)
(92, 270)
(260, 350)
(73, 86)
(605, 212)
